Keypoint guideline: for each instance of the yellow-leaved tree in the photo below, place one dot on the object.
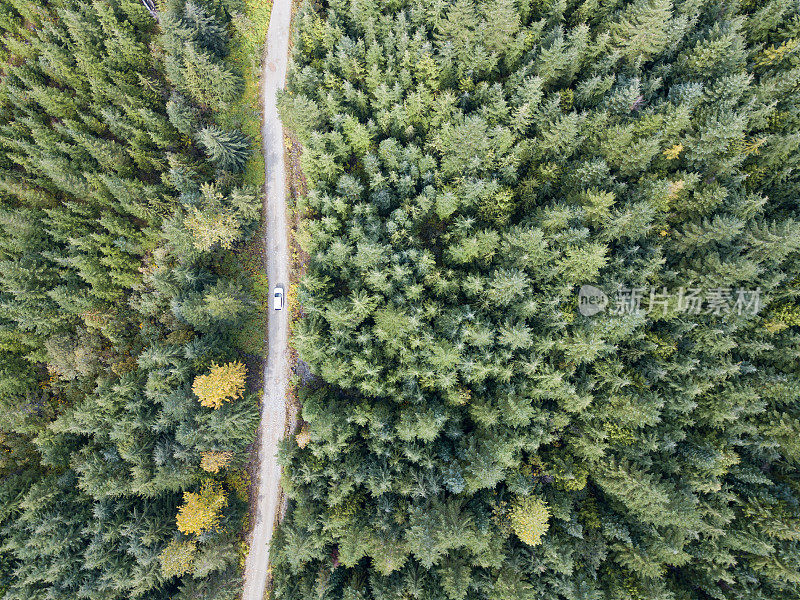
(200, 511)
(221, 384)
(303, 437)
(530, 519)
(212, 462)
(177, 558)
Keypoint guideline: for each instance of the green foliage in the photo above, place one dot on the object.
(109, 307)
(471, 164)
(222, 221)
(228, 150)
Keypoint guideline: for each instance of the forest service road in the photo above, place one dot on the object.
(276, 374)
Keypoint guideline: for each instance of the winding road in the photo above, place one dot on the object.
(276, 244)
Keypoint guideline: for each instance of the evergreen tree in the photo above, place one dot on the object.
(228, 150)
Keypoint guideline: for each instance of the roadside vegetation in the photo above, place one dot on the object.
(244, 113)
(471, 164)
(129, 184)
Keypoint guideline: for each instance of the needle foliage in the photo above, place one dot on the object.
(471, 165)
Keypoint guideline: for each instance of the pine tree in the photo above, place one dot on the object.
(228, 150)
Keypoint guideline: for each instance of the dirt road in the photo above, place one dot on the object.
(276, 370)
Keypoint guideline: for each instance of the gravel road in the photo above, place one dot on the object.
(276, 370)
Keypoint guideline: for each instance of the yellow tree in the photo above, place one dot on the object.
(177, 558)
(200, 511)
(212, 462)
(303, 437)
(530, 519)
(220, 384)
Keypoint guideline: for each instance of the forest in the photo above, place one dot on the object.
(127, 193)
(469, 433)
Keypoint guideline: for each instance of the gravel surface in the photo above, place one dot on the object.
(276, 369)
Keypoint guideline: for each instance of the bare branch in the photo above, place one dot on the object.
(150, 5)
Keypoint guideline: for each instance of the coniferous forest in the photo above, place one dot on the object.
(123, 192)
(469, 431)
(471, 434)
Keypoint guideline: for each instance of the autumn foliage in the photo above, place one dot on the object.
(214, 222)
(221, 384)
(213, 462)
(200, 511)
(303, 437)
(530, 519)
(177, 558)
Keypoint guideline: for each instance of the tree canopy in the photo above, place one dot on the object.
(471, 165)
(117, 291)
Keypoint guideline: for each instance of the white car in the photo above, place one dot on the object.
(277, 298)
